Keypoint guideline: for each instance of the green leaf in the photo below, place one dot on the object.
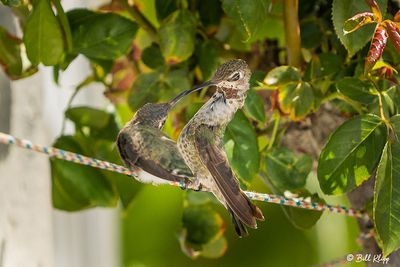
(285, 170)
(191, 110)
(254, 106)
(145, 89)
(62, 17)
(198, 198)
(177, 36)
(256, 78)
(93, 123)
(241, 146)
(249, 17)
(387, 193)
(330, 64)
(324, 66)
(282, 75)
(208, 58)
(101, 67)
(235, 40)
(109, 132)
(43, 35)
(341, 12)
(215, 249)
(351, 154)
(152, 57)
(175, 82)
(165, 7)
(273, 25)
(311, 33)
(148, 9)
(10, 54)
(101, 36)
(210, 13)
(126, 186)
(297, 99)
(154, 86)
(11, 3)
(390, 102)
(77, 187)
(202, 223)
(87, 116)
(302, 218)
(356, 90)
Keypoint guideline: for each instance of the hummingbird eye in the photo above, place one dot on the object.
(235, 76)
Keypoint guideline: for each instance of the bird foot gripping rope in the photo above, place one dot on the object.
(105, 165)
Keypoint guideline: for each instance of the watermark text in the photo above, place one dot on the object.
(368, 257)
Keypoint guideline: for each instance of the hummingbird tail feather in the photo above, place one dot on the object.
(257, 213)
(226, 185)
(240, 228)
(245, 211)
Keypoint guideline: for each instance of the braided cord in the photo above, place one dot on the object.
(105, 165)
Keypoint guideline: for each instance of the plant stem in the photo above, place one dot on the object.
(26, 73)
(357, 106)
(144, 23)
(330, 97)
(380, 102)
(274, 131)
(64, 123)
(381, 111)
(292, 32)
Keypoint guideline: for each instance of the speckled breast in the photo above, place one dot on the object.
(189, 152)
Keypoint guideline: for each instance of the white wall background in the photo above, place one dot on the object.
(32, 233)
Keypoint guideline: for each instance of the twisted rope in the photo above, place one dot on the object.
(96, 163)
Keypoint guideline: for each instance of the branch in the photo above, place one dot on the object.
(292, 32)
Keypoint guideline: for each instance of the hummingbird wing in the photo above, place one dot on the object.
(127, 149)
(152, 151)
(214, 158)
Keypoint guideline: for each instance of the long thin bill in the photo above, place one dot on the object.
(186, 92)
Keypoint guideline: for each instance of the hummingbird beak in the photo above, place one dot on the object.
(186, 92)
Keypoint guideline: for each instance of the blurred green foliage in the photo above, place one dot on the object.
(150, 50)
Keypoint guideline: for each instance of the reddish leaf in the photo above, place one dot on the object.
(375, 9)
(377, 45)
(394, 34)
(10, 58)
(387, 74)
(124, 70)
(275, 103)
(123, 75)
(358, 21)
(397, 16)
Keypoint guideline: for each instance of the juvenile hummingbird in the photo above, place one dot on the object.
(141, 143)
(202, 149)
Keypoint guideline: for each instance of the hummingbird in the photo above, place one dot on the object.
(200, 143)
(141, 143)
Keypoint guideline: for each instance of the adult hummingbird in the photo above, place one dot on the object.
(141, 143)
(200, 143)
